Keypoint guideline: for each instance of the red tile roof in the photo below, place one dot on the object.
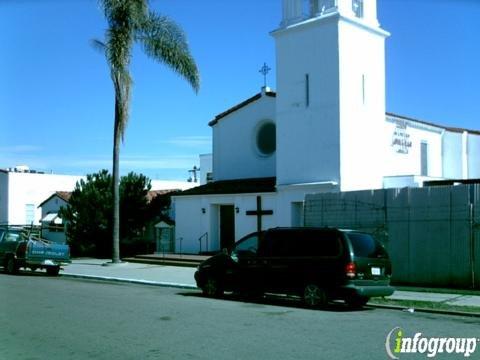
(154, 193)
(64, 195)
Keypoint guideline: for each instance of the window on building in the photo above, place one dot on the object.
(209, 177)
(307, 90)
(424, 158)
(357, 7)
(266, 138)
(363, 89)
(29, 213)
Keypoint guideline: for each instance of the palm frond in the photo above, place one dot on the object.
(164, 41)
(125, 13)
(98, 45)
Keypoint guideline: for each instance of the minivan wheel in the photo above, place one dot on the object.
(356, 301)
(212, 288)
(314, 296)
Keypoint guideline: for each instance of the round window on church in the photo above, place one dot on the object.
(266, 138)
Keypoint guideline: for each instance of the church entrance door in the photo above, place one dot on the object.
(227, 226)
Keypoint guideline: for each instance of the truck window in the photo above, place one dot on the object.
(14, 237)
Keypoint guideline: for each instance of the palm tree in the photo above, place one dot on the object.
(130, 22)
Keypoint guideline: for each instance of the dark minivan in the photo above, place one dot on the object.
(319, 264)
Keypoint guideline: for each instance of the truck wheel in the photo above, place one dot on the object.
(53, 270)
(11, 266)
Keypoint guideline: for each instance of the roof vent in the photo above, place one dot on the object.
(22, 168)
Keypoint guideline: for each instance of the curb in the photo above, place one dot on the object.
(131, 281)
(428, 311)
(193, 287)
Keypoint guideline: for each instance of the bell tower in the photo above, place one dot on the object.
(330, 93)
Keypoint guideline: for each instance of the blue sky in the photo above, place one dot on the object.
(56, 98)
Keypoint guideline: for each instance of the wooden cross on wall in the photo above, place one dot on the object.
(259, 213)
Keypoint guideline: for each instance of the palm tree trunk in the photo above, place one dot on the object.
(117, 137)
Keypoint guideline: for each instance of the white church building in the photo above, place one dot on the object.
(325, 129)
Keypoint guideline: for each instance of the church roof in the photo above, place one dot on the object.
(274, 94)
(240, 186)
(241, 105)
(447, 128)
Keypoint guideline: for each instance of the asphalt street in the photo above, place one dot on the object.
(57, 318)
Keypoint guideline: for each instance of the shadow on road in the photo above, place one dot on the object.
(279, 300)
(26, 273)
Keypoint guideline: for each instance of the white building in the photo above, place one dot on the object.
(22, 191)
(206, 168)
(53, 226)
(325, 129)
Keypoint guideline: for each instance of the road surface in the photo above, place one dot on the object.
(58, 318)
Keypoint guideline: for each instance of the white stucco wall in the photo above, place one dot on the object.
(188, 221)
(3, 197)
(329, 106)
(52, 206)
(206, 167)
(362, 105)
(307, 133)
(192, 223)
(33, 189)
(235, 153)
(402, 164)
(452, 155)
(473, 151)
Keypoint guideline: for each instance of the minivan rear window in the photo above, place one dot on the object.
(364, 245)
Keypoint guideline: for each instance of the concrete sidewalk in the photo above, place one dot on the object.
(182, 277)
(161, 275)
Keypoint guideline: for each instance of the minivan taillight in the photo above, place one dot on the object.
(351, 270)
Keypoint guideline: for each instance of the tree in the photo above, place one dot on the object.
(130, 22)
(134, 209)
(88, 213)
(159, 209)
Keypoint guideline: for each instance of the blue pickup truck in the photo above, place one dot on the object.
(19, 249)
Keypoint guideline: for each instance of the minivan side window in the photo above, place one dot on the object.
(248, 245)
(303, 243)
(322, 243)
(279, 243)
